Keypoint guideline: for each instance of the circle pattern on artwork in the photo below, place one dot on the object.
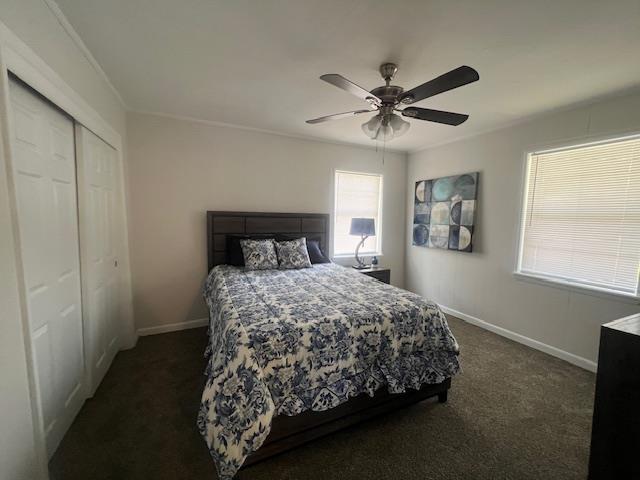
(465, 185)
(439, 236)
(440, 213)
(456, 213)
(442, 189)
(464, 239)
(420, 190)
(420, 234)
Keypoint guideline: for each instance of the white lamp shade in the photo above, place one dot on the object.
(400, 127)
(372, 127)
(385, 133)
(385, 128)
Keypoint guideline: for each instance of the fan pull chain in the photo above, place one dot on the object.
(384, 150)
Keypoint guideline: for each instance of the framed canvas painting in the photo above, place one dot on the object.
(443, 212)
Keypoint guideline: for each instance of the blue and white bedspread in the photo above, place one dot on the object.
(282, 342)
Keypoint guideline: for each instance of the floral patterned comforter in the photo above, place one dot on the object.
(285, 341)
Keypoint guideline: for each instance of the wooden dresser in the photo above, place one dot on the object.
(615, 436)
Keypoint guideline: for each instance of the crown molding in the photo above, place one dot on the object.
(215, 123)
(75, 37)
(68, 28)
(634, 90)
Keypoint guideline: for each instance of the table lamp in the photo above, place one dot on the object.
(365, 227)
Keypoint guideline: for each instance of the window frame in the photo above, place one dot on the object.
(378, 252)
(550, 280)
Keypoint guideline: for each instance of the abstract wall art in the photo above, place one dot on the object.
(443, 212)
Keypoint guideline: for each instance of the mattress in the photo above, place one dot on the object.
(285, 341)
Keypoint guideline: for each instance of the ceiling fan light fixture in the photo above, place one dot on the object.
(400, 127)
(372, 127)
(385, 133)
(385, 127)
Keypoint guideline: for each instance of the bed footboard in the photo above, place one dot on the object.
(290, 432)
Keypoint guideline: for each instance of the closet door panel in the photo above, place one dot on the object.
(31, 203)
(98, 323)
(28, 136)
(43, 361)
(99, 213)
(64, 232)
(62, 163)
(45, 187)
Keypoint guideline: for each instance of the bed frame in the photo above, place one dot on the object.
(290, 432)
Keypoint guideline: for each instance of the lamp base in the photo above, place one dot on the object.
(359, 263)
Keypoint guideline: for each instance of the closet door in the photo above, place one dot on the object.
(100, 227)
(45, 189)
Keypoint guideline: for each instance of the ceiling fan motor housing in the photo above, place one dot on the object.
(388, 94)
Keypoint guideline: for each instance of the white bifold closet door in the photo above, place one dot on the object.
(101, 233)
(45, 187)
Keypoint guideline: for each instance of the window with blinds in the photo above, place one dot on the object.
(358, 195)
(581, 216)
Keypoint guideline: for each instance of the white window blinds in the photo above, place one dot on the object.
(581, 221)
(358, 195)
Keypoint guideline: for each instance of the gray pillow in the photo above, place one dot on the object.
(259, 254)
(293, 254)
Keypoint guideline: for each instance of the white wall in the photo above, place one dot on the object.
(180, 169)
(481, 284)
(33, 22)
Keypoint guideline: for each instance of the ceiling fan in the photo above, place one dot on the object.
(387, 99)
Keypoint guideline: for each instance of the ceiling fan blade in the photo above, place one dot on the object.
(437, 116)
(347, 85)
(448, 81)
(338, 116)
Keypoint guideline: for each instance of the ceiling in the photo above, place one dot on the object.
(256, 63)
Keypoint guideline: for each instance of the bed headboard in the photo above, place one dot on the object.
(314, 226)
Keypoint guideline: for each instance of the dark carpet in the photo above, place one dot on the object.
(514, 413)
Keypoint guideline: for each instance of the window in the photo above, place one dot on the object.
(581, 216)
(357, 195)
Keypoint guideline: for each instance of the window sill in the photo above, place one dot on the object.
(360, 254)
(576, 287)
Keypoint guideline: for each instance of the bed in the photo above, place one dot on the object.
(297, 354)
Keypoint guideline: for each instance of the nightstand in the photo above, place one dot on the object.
(379, 273)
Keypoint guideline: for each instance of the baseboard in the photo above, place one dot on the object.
(173, 327)
(131, 343)
(543, 347)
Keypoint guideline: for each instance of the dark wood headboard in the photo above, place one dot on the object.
(314, 226)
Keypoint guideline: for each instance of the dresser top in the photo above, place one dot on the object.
(630, 324)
